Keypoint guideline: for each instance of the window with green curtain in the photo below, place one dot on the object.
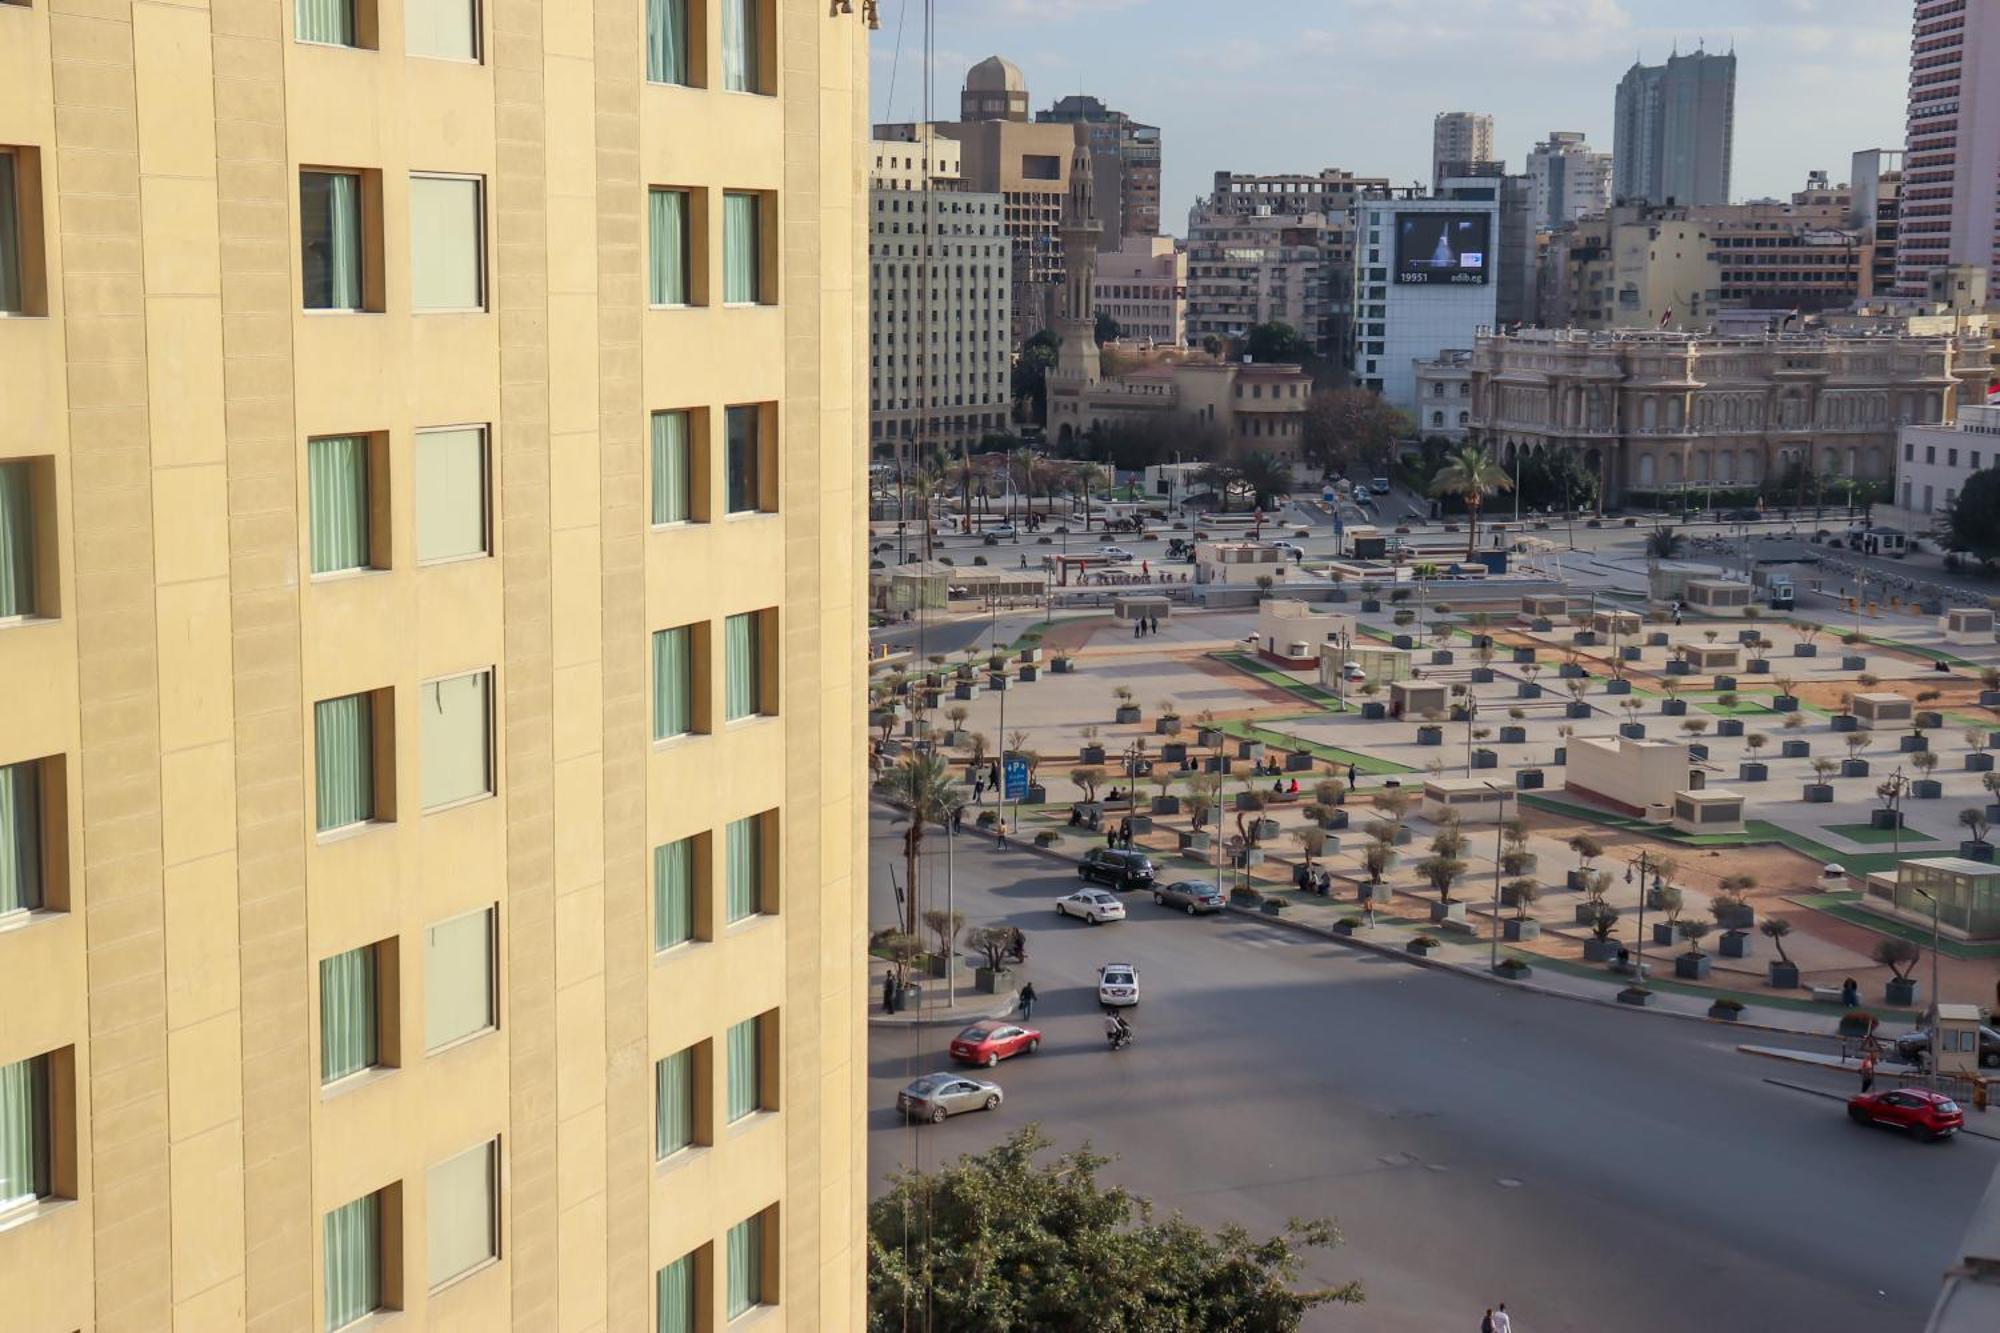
(742, 264)
(353, 1261)
(24, 1132)
(673, 894)
(740, 47)
(744, 862)
(344, 760)
(330, 238)
(742, 649)
(347, 1031)
(673, 682)
(743, 457)
(671, 469)
(329, 21)
(746, 1075)
(17, 539)
(337, 488)
(746, 1265)
(668, 233)
(676, 1297)
(20, 837)
(667, 41)
(673, 1104)
(11, 296)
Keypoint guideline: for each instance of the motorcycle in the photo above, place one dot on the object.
(1120, 1037)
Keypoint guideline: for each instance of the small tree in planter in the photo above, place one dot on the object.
(1756, 741)
(1441, 872)
(1601, 921)
(1249, 811)
(1856, 742)
(1822, 791)
(957, 713)
(1587, 849)
(903, 952)
(1783, 972)
(1127, 710)
(1087, 779)
(1925, 762)
(1694, 727)
(1520, 894)
(1809, 637)
(993, 944)
(1449, 842)
(1974, 820)
(1977, 759)
(1312, 841)
(1793, 721)
(1377, 858)
(1330, 792)
(1900, 957)
(1694, 964)
(1671, 901)
(1170, 718)
(1204, 793)
(944, 927)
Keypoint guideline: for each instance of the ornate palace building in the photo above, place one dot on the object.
(1651, 410)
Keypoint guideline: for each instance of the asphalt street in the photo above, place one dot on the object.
(1593, 1168)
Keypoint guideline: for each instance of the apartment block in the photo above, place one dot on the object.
(1675, 131)
(430, 623)
(1951, 160)
(1461, 141)
(1426, 280)
(1143, 285)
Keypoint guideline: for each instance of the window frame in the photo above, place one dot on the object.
(494, 1215)
(481, 248)
(385, 994)
(763, 889)
(698, 700)
(48, 777)
(700, 872)
(478, 56)
(492, 739)
(368, 208)
(31, 279)
(763, 483)
(381, 706)
(491, 912)
(44, 548)
(764, 674)
(377, 502)
(763, 276)
(387, 1239)
(486, 514)
(698, 469)
(42, 1137)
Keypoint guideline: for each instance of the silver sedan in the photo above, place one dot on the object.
(934, 1097)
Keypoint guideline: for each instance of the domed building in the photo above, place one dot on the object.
(994, 90)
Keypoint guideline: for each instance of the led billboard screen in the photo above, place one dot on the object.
(1444, 249)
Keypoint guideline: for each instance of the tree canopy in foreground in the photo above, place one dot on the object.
(997, 1242)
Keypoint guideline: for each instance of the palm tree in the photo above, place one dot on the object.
(1663, 544)
(921, 790)
(1471, 474)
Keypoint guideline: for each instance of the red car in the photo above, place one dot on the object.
(1921, 1114)
(990, 1043)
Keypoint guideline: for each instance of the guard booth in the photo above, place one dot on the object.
(1958, 1039)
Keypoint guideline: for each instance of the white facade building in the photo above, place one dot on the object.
(1570, 179)
(1444, 394)
(1459, 139)
(1933, 462)
(1428, 280)
(1143, 285)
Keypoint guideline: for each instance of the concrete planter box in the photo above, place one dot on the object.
(1263, 829)
(1632, 731)
(1460, 713)
(1853, 662)
(1194, 841)
(1429, 735)
(1251, 750)
(1724, 1012)
(1725, 683)
(1126, 714)
(1298, 761)
(1844, 722)
(1346, 929)
(1663, 932)
(1482, 640)
(1794, 749)
(1673, 707)
(1913, 743)
(1818, 793)
(1167, 726)
(1929, 720)
(993, 982)
(1030, 673)
(1562, 753)
(1584, 638)
(1249, 857)
(1693, 966)
(1374, 709)
(1513, 735)
(1335, 821)
(1926, 789)
(1989, 698)
(1573, 880)
(1757, 666)
(1698, 752)
(1781, 976)
(1029, 656)
(1174, 752)
(1208, 737)
(1404, 836)
(1599, 951)
(1805, 650)
(1452, 912)
(998, 682)
(1218, 763)
(1485, 759)
(1901, 992)
(1249, 800)
(1517, 929)
(1976, 851)
(1273, 907)
(1784, 703)
(1729, 726)
(1736, 943)
(1541, 624)
(1523, 655)
(1037, 794)
(1441, 657)
(965, 689)
(1371, 605)
(1090, 754)
(1656, 638)
(1165, 805)
(1575, 708)
(1527, 779)
(1404, 642)
(1527, 689)
(1585, 913)
(1339, 595)
(1752, 772)
(1885, 819)
(1482, 675)
(1617, 687)
(1636, 997)
(1631, 652)
(1979, 761)
(1571, 671)
(1854, 768)
(1421, 948)
(1679, 668)
(1062, 666)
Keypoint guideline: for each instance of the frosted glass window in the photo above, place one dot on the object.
(667, 41)
(10, 237)
(447, 244)
(742, 260)
(20, 837)
(24, 1132)
(673, 894)
(668, 241)
(353, 1261)
(671, 470)
(442, 29)
(330, 239)
(458, 978)
(460, 1216)
(457, 726)
(451, 493)
(349, 1039)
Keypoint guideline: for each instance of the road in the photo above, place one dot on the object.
(1593, 1168)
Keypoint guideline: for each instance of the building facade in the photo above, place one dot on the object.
(1125, 159)
(1143, 285)
(1459, 139)
(939, 325)
(1444, 395)
(1951, 160)
(1875, 210)
(431, 784)
(1659, 411)
(1933, 462)
(1280, 247)
(1569, 178)
(994, 90)
(1675, 131)
(1406, 308)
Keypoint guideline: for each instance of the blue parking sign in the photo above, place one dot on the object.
(1015, 777)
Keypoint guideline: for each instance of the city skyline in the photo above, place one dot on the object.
(1535, 67)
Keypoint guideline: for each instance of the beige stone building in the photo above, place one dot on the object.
(431, 857)
(1657, 410)
(1143, 285)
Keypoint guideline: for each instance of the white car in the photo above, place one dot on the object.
(1115, 553)
(1093, 905)
(1117, 984)
(1291, 549)
(1353, 671)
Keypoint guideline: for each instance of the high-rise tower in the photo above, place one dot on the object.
(1675, 131)
(1950, 207)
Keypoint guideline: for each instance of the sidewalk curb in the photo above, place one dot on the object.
(1481, 974)
(877, 1019)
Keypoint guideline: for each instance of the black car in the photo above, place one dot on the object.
(1916, 1045)
(1745, 516)
(1119, 869)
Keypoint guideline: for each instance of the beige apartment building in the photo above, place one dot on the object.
(430, 591)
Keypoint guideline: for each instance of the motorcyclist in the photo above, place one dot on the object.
(1116, 1030)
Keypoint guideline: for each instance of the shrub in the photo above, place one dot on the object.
(1048, 837)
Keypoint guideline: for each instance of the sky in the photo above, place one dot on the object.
(1296, 85)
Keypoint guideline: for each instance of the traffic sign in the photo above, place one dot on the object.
(1014, 775)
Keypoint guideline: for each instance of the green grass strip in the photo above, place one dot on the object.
(1331, 754)
(1869, 834)
(1928, 654)
(1270, 675)
(1855, 915)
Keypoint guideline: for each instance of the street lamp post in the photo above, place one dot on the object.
(1499, 832)
(1936, 999)
(1644, 862)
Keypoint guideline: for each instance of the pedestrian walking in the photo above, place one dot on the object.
(1368, 911)
(1353, 779)
(1027, 1001)
(889, 991)
(1138, 628)
(1501, 1323)
(1486, 1324)
(1867, 1072)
